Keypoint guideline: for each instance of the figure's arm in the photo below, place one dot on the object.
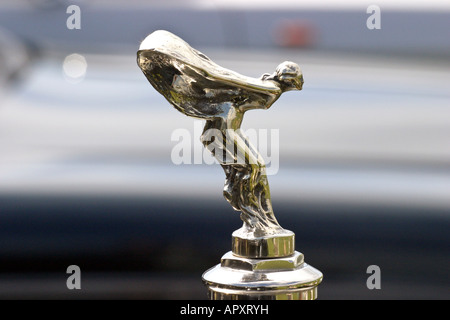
(265, 97)
(264, 102)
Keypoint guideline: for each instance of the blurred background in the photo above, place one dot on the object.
(86, 176)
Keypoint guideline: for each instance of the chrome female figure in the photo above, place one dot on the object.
(199, 88)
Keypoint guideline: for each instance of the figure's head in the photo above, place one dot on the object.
(290, 76)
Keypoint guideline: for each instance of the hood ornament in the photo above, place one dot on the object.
(263, 263)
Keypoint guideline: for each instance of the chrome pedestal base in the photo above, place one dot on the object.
(239, 278)
(276, 245)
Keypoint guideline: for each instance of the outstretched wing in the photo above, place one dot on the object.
(193, 83)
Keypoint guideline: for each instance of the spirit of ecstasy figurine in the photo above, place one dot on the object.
(263, 263)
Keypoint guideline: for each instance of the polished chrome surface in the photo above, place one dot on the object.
(232, 261)
(287, 278)
(199, 88)
(215, 293)
(245, 244)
